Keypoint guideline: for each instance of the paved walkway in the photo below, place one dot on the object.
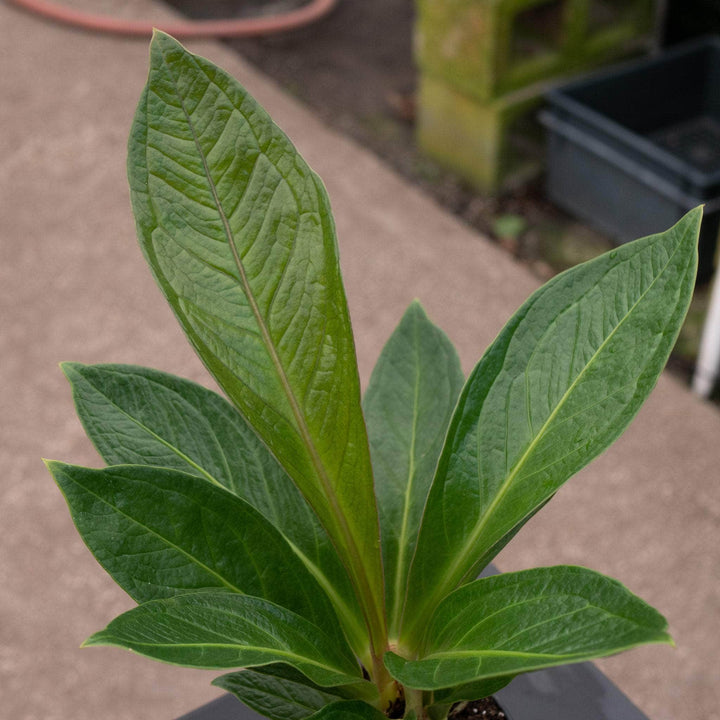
(73, 286)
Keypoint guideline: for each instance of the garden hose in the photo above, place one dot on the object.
(229, 27)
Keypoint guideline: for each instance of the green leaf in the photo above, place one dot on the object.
(167, 421)
(222, 630)
(349, 710)
(517, 622)
(281, 693)
(277, 697)
(239, 235)
(408, 405)
(161, 532)
(556, 388)
(139, 416)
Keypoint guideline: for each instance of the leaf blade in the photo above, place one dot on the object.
(281, 693)
(238, 232)
(557, 387)
(408, 404)
(161, 533)
(557, 615)
(222, 630)
(171, 422)
(164, 421)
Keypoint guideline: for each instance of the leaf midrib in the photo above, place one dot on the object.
(459, 654)
(471, 629)
(160, 439)
(659, 637)
(235, 646)
(317, 463)
(156, 534)
(255, 627)
(402, 537)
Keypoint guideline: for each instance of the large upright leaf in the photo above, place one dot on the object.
(161, 533)
(408, 405)
(223, 630)
(239, 235)
(556, 388)
(170, 422)
(507, 624)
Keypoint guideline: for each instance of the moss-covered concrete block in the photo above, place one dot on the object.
(455, 40)
(488, 48)
(484, 64)
(493, 145)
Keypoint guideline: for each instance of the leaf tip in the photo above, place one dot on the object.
(689, 224)
(70, 368)
(93, 641)
(394, 663)
(416, 308)
(52, 465)
(158, 36)
(58, 471)
(163, 42)
(696, 213)
(223, 681)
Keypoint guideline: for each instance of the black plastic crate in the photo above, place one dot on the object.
(632, 149)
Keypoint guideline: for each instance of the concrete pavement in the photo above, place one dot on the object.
(73, 286)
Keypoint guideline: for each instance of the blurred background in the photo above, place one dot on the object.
(471, 150)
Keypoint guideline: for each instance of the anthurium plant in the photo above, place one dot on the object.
(320, 547)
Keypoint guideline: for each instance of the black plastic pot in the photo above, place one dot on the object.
(632, 149)
(572, 692)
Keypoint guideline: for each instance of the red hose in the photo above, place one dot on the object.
(230, 27)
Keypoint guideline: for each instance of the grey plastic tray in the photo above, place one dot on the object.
(632, 149)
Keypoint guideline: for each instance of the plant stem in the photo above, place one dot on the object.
(387, 686)
(414, 702)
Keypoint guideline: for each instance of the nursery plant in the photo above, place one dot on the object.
(321, 548)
